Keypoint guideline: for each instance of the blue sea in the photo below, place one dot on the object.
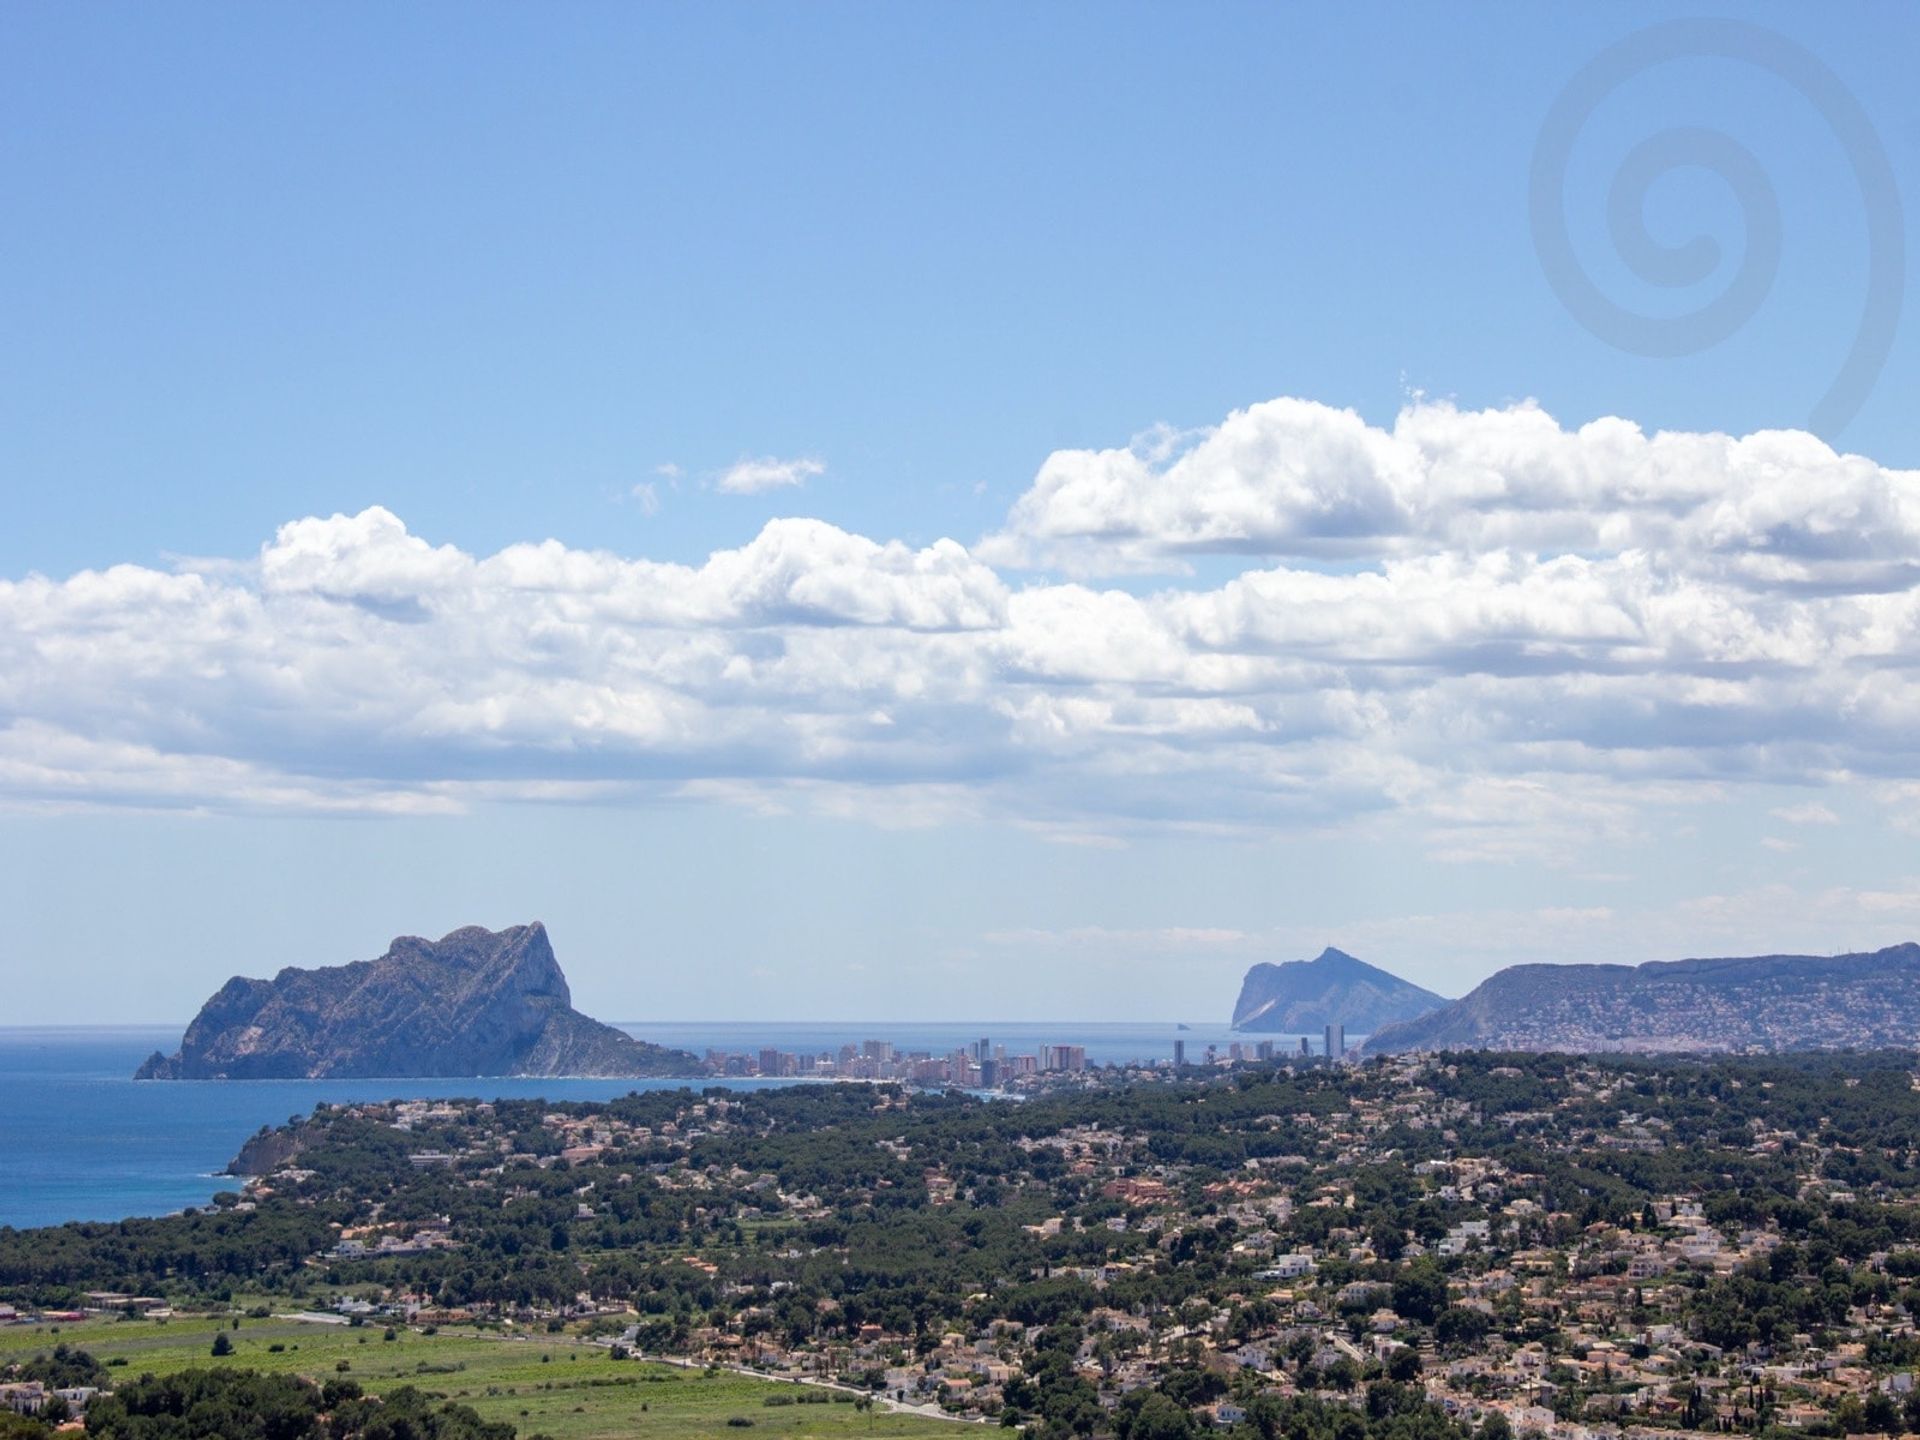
(79, 1140)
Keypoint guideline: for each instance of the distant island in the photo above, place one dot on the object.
(475, 1002)
(1303, 996)
(1766, 1002)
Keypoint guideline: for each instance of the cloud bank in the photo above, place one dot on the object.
(1509, 635)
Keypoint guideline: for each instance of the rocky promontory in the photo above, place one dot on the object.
(475, 1002)
(1334, 988)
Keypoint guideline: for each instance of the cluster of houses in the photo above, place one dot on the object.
(30, 1397)
(1617, 1356)
(1307, 1302)
(1624, 1368)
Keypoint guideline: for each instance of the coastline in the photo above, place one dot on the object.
(87, 1143)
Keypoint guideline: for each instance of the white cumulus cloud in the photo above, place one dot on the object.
(1294, 478)
(752, 477)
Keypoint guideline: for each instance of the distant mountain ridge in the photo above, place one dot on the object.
(1763, 1002)
(1334, 988)
(475, 1002)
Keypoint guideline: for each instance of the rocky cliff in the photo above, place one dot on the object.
(475, 1002)
(1303, 996)
(1765, 1002)
(267, 1151)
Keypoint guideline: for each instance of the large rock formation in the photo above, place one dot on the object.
(1303, 996)
(1767, 1002)
(472, 1003)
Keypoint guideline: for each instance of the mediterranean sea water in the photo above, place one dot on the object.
(79, 1140)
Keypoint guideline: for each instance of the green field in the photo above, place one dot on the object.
(549, 1384)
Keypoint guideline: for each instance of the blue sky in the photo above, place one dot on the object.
(516, 274)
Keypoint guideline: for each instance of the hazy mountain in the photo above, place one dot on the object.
(1302, 996)
(1768, 1002)
(472, 1003)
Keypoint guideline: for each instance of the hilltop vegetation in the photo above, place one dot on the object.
(1418, 1246)
(1767, 1002)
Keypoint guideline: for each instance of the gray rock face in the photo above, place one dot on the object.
(266, 1152)
(1765, 1002)
(475, 1002)
(1303, 996)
